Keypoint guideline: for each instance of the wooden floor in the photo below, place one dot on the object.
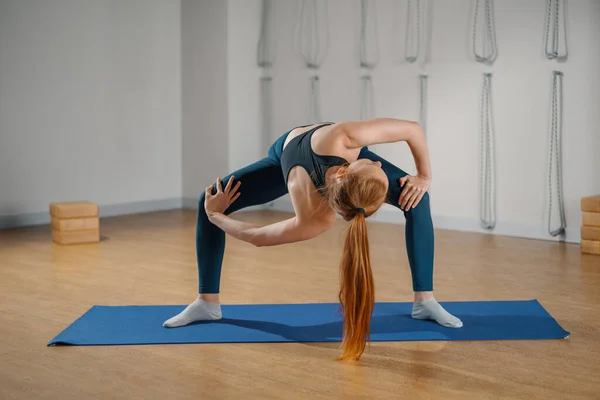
(150, 259)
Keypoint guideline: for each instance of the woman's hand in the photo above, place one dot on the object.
(219, 202)
(414, 188)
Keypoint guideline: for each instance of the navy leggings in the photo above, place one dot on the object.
(264, 183)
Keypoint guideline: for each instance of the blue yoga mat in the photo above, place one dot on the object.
(483, 320)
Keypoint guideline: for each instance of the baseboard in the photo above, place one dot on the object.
(107, 210)
(189, 203)
(387, 214)
(391, 215)
(139, 207)
(21, 220)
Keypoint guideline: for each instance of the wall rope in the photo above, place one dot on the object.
(312, 42)
(368, 59)
(368, 24)
(553, 50)
(487, 192)
(412, 40)
(423, 102)
(314, 113)
(265, 60)
(488, 44)
(264, 53)
(367, 103)
(555, 156)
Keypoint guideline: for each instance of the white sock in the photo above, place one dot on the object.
(431, 309)
(199, 310)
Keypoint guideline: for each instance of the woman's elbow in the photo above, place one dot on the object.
(254, 238)
(257, 241)
(417, 129)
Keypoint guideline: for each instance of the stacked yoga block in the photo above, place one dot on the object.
(590, 228)
(75, 222)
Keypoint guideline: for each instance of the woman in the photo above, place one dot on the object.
(326, 169)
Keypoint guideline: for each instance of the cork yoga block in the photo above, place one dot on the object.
(76, 209)
(75, 224)
(591, 219)
(75, 237)
(591, 204)
(590, 246)
(590, 233)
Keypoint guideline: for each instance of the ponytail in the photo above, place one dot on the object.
(357, 291)
(356, 197)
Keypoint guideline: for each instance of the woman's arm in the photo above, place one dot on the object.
(286, 231)
(418, 148)
(390, 130)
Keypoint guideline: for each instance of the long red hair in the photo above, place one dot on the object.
(356, 197)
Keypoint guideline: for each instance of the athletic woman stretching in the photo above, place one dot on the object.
(326, 169)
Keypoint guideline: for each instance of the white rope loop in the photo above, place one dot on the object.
(312, 42)
(423, 102)
(264, 59)
(488, 44)
(555, 157)
(557, 49)
(412, 41)
(311, 39)
(487, 195)
(264, 52)
(368, 29)
(368, 55)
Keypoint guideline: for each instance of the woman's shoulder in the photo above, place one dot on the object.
(297, 131)
(309, 205)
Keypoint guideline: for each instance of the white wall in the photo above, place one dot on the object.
(243, 77)
(521, 103)
(204, 108)
(221, 88)
(137, 101)
(90, 100)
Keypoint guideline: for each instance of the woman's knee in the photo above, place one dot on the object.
(424, 200)
(422, 206)
(201, 210)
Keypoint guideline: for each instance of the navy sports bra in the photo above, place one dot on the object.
(299, 152)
